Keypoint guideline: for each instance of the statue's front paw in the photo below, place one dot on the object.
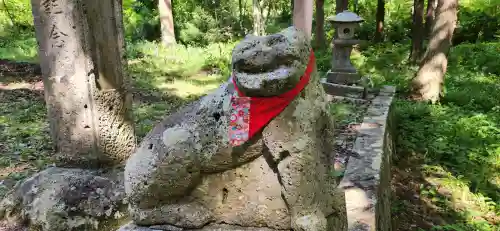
(311, 222)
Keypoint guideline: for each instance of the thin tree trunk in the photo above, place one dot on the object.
(240, 15)
(303, 16)
(82, 50)
(240, 8)
(429, 16)
(427, 85)
(258, 19)
(266, 8)
(340, 5)
(166, 22)
(417, 41)
(356, 6)
(176, 30)
(320, 24)
(380, 17)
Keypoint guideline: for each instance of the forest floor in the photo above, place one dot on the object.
(446, 172)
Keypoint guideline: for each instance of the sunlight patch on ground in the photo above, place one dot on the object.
(186, 88)
(21, 85)
(7, 171)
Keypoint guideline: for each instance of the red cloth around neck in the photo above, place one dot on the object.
(264, 109)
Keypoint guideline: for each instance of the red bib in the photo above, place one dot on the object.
(250, 114)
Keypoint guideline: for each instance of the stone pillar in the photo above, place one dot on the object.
(82, 50)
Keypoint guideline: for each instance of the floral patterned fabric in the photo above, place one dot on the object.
(239, 125)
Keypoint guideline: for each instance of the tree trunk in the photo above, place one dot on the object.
(427, 85)
(320, 24)
(166, 22)
(258, 18)
(82, 55)
(341, 5)
(176, 29)
(380, 17)
(417, 41)
(240, 14)
(303, 16)
(429, 17)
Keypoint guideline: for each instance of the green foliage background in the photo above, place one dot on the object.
(201, 22)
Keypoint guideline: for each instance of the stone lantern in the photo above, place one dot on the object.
(342, 71)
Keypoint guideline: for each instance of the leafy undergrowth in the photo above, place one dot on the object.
(18, 45)
(446, 173)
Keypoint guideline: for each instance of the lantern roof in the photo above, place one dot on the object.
(346, 17)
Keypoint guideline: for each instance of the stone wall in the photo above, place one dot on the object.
(366, 182)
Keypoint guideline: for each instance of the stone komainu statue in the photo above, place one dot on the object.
(190, 172)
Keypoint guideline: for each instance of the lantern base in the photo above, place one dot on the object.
(344, 78)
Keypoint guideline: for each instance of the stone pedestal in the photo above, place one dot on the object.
(343, 72)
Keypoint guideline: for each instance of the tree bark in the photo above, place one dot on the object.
(417, 41)
(240, 14)
(341, 5)
(427, 85)
(429, 16)
(303, 16)
(258, 18)
(82, 55)
(320, 24)
(380, 17)
(166, 22)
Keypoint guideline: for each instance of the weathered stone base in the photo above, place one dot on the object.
(336, 221)
(247, 196)
(342, 90)
(345, 78)
(63, 199)
(214, 227)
